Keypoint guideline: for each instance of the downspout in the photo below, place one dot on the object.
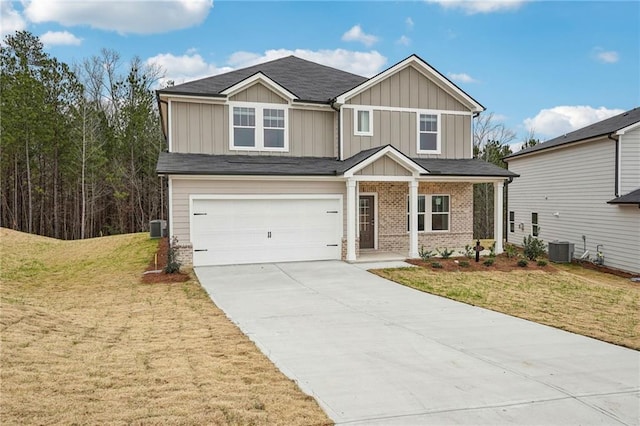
(617, 162)
(506, 205)
(332, 104)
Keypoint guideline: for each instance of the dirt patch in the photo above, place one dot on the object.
(158, 263)
(606, 270)
(462, 264)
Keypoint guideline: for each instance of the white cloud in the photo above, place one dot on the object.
(557, 121)
(461, 77)
(404, 40)
(10, 20)
(409, 23)
(55, 38)
(192, 66)
(140, 17)
(472, 7)
(605, 56)
(356, 34)
(361, 63)
(187, 67)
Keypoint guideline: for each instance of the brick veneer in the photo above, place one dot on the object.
(392, 215)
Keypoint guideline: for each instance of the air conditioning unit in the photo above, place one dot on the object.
(158, 228)
(560, 251)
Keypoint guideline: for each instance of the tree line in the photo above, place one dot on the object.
(78, 144)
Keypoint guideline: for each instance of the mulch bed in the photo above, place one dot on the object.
(162, 277)
(500, 263)
(616, 272)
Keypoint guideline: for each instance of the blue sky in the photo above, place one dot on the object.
(546, 66)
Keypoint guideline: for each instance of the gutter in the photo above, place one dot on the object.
(332, 104)
(617, 164)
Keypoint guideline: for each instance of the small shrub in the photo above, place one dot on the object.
(436, 265)
(488, 262)
(523, 263)
(425, 254)
(533, 247)
(469, 251)
(542, 262)
(510, 251)
(445, 253)
(464, 263)
(173, 266)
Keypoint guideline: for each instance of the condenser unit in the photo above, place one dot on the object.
(158, 228)
(560, 251)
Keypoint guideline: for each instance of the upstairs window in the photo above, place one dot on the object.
(363, 122)
(259, 128)
(428, 135)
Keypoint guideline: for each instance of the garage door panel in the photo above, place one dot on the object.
(265, 230)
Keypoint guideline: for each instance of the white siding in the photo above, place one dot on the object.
(182, 188)
(569, 189)
(630, 161)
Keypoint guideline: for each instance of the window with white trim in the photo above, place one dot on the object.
(363, 122)
(535, 229)
(428, 135)
(258, 127)
(433, 216)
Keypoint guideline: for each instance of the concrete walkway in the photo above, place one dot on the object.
(374, 352)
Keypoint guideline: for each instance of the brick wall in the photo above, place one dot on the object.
(392, 215)
(184, 254)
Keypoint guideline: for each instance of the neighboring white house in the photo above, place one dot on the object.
(584, 188)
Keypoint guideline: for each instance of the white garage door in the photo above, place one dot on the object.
(258, 230)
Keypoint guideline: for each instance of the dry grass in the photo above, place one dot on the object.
(571, 298)
(84, 342)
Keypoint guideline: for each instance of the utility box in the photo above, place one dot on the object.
(158, 228)
(560, 251)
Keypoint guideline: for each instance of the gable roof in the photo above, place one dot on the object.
(307, 80)
(364, 158)
(424, 68)
(601, 128)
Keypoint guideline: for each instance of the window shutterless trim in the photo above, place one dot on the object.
(259, 126)
(438, 133)
(356, 115)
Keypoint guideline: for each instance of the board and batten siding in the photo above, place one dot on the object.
(384, 166)
(399, 128)
(408, 88)
(258, 93)
(569, 189)
(183, 188)
(630, 161)
(203, 128)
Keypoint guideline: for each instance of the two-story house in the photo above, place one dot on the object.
(582, 188)
(291, 160)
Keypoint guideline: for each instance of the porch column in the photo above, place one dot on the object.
(498, 216)
(413, 216)
(351, 220)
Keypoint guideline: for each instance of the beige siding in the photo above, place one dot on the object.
(569, 189)
(399, 128)
(384, 166)
(630, 161)
(182, 188)
(408, 88)
(258, 93)
(204, 129)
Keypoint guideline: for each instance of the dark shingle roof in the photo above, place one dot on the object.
(205, 164)
(307, 80)
(631, 198)
(601, 128)
(463, 167)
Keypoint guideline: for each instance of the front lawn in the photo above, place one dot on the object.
(568, 297)
(83, 341)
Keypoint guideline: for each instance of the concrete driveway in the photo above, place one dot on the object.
(374, 352)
